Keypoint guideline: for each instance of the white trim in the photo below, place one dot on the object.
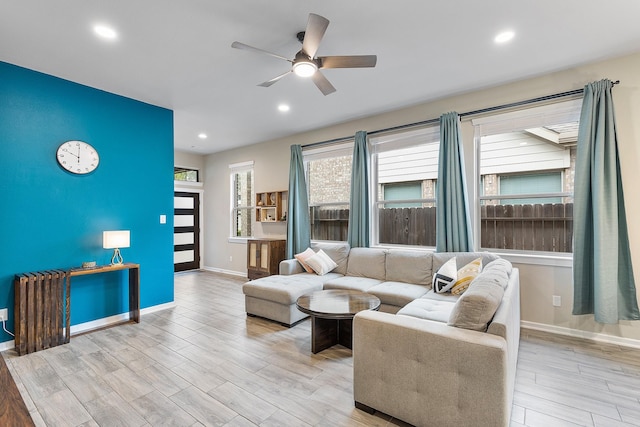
(238, 239)
(7, 345)
(242, 165)
(592, 336)
(230, 272)
(535, 259)
(178, 184)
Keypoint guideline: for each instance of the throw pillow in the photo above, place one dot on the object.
(465, 275)
(321, 263)
(446, 276)
(302, 258)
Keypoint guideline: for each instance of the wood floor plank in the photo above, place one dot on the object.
(204, 362)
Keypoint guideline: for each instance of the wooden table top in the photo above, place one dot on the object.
(337, 303)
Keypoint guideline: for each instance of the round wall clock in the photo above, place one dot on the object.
(77, 157)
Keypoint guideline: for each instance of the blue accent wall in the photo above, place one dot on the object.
(50, 218)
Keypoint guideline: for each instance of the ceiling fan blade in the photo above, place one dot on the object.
(355, 61)
(274, 80)
(323, 84)
(238, 45)
(316, 26)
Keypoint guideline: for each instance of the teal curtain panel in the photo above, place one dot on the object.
(358, 232)
(298, 223)
(602, 272)
(453, 224)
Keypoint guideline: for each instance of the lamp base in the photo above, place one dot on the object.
(116, 259)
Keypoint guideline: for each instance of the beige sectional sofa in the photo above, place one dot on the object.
(429, 359)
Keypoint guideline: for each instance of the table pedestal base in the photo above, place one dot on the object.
(326, 333)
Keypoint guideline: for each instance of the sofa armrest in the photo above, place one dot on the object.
(290, 266)
(427, 373)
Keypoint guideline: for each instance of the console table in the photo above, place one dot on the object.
(42, 307)
(134, 290)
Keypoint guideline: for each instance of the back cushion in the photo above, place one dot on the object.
(367, 262)
(409, 266)
(338, 252)
(462, 258)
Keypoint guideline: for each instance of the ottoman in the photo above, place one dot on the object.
(274, 297)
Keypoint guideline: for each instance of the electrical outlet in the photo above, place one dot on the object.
(230, 258)
(556, 301)
(4, 314)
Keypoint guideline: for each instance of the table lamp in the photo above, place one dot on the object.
(115, 240)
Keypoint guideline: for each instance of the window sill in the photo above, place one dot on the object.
(238, 239)
(565, 260)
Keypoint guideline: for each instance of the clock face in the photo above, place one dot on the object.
(78, 157)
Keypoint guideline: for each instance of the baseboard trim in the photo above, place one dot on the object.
(576, 333)
(223, 271)
(7, 345)
(100, 323)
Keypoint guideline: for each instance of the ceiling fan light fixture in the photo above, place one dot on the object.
(305, 68)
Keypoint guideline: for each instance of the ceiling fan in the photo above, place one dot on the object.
(306, 64)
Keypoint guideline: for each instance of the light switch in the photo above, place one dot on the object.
(163, 219)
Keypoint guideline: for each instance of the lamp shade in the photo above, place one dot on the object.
(115, 239)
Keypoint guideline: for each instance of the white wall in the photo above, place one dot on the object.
(539, 282)
(182, 159)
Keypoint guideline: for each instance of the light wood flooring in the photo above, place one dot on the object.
(205, 363)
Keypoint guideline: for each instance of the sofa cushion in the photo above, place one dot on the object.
(500, 264)
(429, 309)
(321, 263)
(465, 275)
(409, 266)
(447, 296)
(462, 258)
(339, 252)
(476, 307)
(367, 262)
(302, 259)
(285, 289)
(397, 293)
(445, 277)
(352, 283)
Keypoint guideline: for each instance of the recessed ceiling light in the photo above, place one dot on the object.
(202, 135)
(283, 107)
(504, 36)
(105, 32)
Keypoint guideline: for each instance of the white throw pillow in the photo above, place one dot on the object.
(321, 263)
(446, 276)
(302, 258)
(465, 275)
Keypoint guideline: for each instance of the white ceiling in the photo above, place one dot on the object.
(177, 54)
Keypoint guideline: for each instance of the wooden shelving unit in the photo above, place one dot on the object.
(264, 256)
(271, 206)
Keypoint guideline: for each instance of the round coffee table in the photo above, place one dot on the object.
(332, 314)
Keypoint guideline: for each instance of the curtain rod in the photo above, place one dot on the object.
(468, 113)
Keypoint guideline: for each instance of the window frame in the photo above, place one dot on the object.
(393, 141)
(341, 148)
(562, 111)
(234, 170)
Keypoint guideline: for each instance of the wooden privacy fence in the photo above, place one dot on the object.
(539, 227)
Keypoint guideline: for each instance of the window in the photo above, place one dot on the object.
(329, 186)
(405, 170)
(242, 199)
(526, 171)
(184, 174)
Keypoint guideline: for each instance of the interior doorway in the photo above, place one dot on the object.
(186, 231)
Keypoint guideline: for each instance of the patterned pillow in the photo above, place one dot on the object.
(321, 263)
(445, 277)
(465, 275)
(302, 258)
